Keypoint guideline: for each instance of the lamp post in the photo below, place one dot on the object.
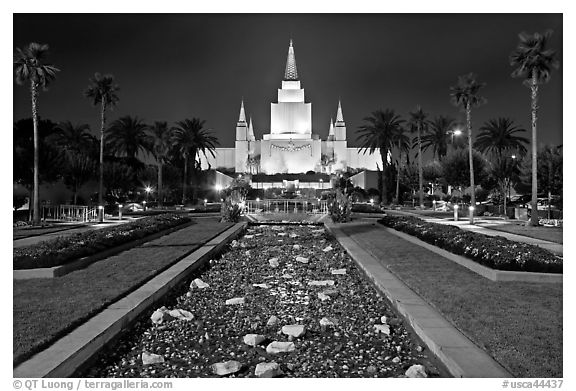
(456, 212)
(452, 133)
(148, 189)
(471, 214)
(119, 212)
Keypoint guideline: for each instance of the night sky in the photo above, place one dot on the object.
(171, 67)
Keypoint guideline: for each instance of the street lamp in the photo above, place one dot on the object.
(119, 212)
(455, 132)
(148, 189)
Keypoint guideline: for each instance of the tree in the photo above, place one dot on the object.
(79, 149)
(402, 144)
(30, 66)
(379, 133)
(534, 62)
(500, 135)
(465, 94)
(455, 168)
(160, 143)
(418, 123)
(505, 170)
(189, 139)
(102, 90)
(127, 137)
(437, 136)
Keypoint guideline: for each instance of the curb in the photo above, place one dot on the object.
(68, 354)
(484, 271)
(62, 270)
(461, 356)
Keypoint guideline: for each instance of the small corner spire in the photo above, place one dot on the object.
(339, 116)
(331, 131)
(242, 117)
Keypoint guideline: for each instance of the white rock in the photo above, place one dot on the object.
(181, 314)
(234, 243)
(286, 275)
(273, 262)
(383, 319)
(253, 339)
(327, 322)
(198, 283)
(235, 301)
(338, 271)
(280, 347)
(416, 371)
(382, 328)
(263, 286)
(248, 236)
(267, 369)
(273, 321)
(321, 283)
(302, 259)
(296, 247)
(323, 296)
(396, 360)
(226, 368)
(293, 235)
(326, 249)
(151, 358)
(157, 316)
(295, 330)
(281, 234)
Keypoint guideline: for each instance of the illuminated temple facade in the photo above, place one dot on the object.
(290, 145)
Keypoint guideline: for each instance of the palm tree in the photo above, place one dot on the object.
(402, 143)
(127, 137)
(79, 149)
(102, 90)
(189, 138)
(30, 66)
(418, 122)
(498, 136)
(534, 62)
(379, 133)
(160, 141)
(437, 136)
(465, 94)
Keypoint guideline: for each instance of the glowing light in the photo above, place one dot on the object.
(470, 208)
(456, 207)
(258, 199)
(457, 132)
(371, 200)
(205, 200)
(218, 187)
(100, 207)
(120, 206)
(148, 189)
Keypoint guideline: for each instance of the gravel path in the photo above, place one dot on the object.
(359, 335)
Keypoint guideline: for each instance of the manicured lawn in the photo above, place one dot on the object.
(20, 233)
(46, 309)
(517, 323)
(551, 234)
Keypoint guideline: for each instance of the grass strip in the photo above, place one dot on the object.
(551, 234)
(46, 309)
(518, 323)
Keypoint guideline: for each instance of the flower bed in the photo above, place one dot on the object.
(62, 250)
(279, 287)
(495, 252)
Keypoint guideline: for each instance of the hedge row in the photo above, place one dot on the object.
(64, 249)
(495, 252)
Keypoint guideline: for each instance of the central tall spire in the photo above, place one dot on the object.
(291, 73)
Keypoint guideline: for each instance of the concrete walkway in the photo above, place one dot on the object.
(483, 226)
(23, 242)
(461, 356)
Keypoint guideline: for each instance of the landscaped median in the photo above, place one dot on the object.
(47, 308)
(45, 259)
(492, 251)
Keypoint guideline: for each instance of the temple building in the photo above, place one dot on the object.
(290, 145)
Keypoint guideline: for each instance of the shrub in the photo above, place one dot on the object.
(340, 208)
(232, 207)
(495, 252)
(65, 249)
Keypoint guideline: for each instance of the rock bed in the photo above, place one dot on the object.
(279, 287)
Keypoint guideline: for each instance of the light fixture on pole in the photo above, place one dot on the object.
(119, 211)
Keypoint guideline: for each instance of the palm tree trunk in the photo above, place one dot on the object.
(398, 177)
(534, 202)
(383, 189)
(101, 179)
(473, 188)
(35, 192)
(184, 181)
(420, 171)
(160, 192)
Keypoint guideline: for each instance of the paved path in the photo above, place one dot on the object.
(483, 226)
(363, 240)
(23, 242)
